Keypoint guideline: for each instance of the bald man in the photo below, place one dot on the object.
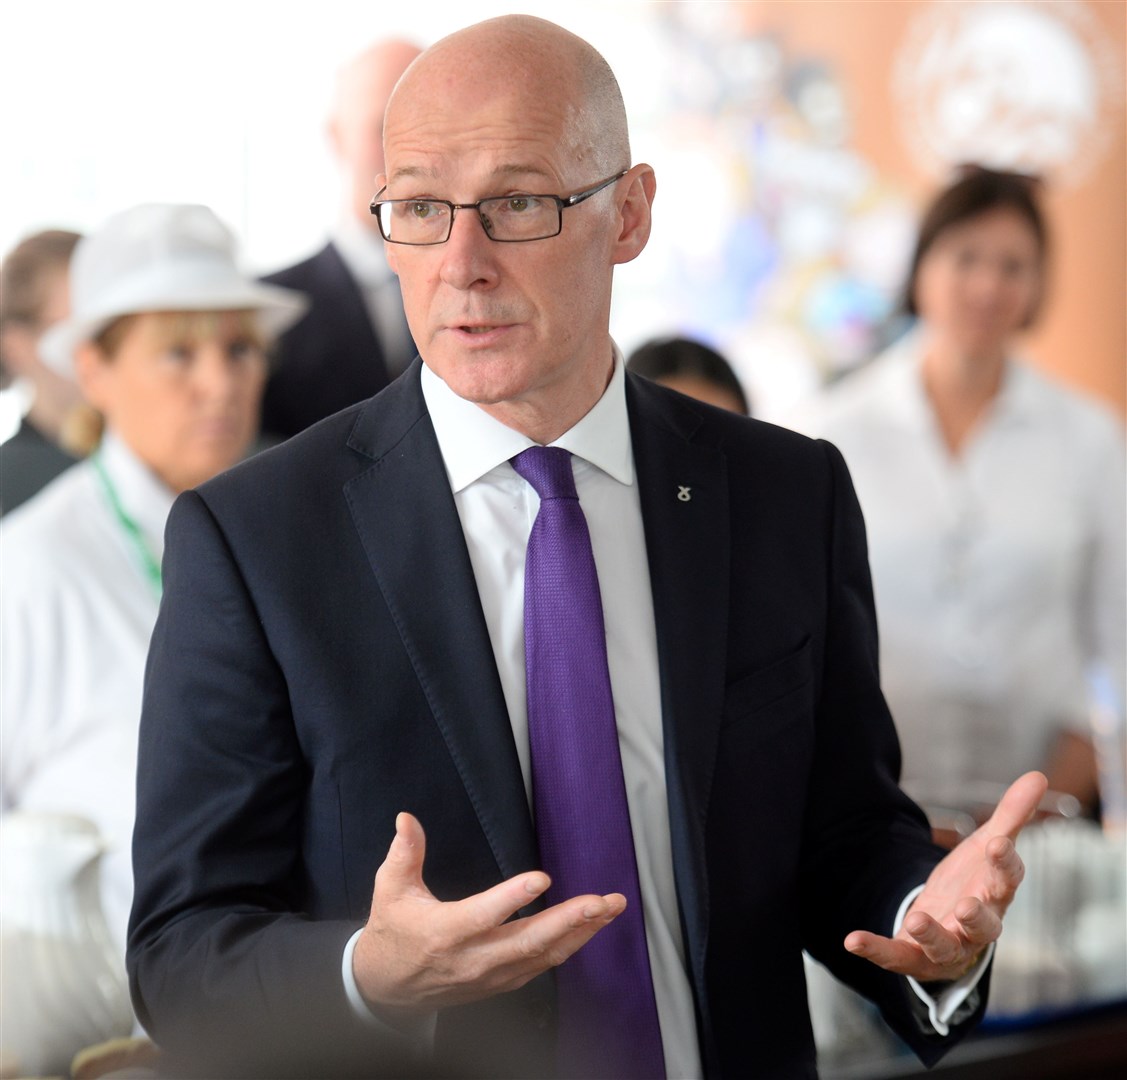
(338, 861)
(354, 340)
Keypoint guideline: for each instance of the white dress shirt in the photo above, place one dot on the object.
(76, 613)
(998, 574)
(497, 508)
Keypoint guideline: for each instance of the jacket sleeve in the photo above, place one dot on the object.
(866, 844)
(226, 973)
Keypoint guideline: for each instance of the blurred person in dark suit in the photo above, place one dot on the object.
(355, 339)
(34, 295)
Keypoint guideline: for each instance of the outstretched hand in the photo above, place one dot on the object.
(960, 909)
(418, 953)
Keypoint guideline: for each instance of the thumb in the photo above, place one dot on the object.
(402, 870)
(1018, 805)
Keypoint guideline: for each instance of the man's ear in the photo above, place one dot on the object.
(640, 184)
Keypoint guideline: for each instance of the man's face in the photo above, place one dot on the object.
(520, 329)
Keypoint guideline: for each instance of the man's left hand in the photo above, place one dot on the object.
(960, 909)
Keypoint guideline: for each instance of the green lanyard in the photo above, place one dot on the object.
(131, 529)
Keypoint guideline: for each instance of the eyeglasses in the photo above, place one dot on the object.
(508, 219)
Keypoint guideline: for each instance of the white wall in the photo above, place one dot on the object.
(115, 102)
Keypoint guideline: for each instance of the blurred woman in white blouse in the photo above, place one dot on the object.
(994, 501)
(167, 339)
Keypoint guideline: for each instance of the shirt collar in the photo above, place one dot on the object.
(1018, 399)
(903, 383)
(899, 370)
(473, 443)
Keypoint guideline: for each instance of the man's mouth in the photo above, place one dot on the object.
(478, 329)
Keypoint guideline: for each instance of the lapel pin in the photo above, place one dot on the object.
(683, 493)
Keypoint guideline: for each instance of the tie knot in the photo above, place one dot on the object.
(548, 470)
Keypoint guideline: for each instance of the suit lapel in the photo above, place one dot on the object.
(683, 488)
(405, 515)
(404, 511)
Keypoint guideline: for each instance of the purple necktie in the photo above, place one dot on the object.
(607, 1014)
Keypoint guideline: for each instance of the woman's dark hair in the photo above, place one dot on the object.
(26, 270)
(976, 191)
(669, 357)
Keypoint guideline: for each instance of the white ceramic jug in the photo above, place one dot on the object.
(62, 982)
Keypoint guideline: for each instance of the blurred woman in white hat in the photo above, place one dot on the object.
(167, 339)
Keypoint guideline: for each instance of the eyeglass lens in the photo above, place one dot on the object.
(509, 217)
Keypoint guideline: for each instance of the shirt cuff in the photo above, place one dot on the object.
(948, 1005)
(416, 1031)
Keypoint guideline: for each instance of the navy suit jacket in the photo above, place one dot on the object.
(321, 661)
(331, 358)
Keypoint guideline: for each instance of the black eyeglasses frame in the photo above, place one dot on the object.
(563, 202)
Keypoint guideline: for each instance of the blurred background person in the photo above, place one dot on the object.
(167, 339)
(34, 295)
(692, 368)
(355, 339)
(994, 501)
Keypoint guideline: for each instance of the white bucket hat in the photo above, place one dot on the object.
(159, 257)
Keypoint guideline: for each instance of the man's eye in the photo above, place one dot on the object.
(416, 209)
(519, 204)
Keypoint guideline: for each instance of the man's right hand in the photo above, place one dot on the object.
(419, 954)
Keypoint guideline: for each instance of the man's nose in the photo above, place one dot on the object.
(469, 256)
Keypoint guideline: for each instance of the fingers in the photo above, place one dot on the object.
(1018, 805)
(894, 955)
(548, 938)
(943, 948)
(582, 916)
(979, 922)
(417, 952)
(489, 909)
(976, 925)
(931, 950)
(959, 912)
(933, 953)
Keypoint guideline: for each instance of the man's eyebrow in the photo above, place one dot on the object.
(518, 169)
(412, 172)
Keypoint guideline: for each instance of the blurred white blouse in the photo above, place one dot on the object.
(998, 574)
(77, 608)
